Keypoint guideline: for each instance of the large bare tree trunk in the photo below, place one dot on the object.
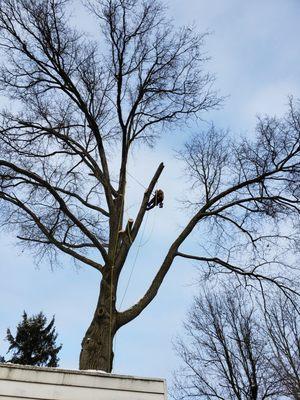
(97, 344)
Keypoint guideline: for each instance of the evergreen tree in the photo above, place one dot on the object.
(34, 343)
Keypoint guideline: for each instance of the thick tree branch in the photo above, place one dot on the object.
(16, 202)
(239, 271)
(36, 178)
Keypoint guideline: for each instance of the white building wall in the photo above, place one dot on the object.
(35, 383)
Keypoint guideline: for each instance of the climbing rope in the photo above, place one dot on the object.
(152, 228)
(140, 245)
(111, 283)
(136, 180)
(134, 262)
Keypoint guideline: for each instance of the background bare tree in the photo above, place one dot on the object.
(226, 355)
(79, 107)
(283, 330)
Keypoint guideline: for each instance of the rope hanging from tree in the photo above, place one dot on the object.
(156, 200)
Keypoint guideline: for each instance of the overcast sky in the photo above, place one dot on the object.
(254, 49)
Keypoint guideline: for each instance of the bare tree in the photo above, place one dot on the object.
(282, 324)
(227, 354)
(73, 99)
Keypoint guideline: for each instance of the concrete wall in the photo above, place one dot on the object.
(28, 383)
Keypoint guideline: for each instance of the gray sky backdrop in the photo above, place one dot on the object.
(254, 49)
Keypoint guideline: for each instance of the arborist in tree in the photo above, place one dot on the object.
(157, 200)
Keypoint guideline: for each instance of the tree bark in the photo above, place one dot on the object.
(97, 344)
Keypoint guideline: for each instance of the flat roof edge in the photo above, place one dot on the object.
(78, 372)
